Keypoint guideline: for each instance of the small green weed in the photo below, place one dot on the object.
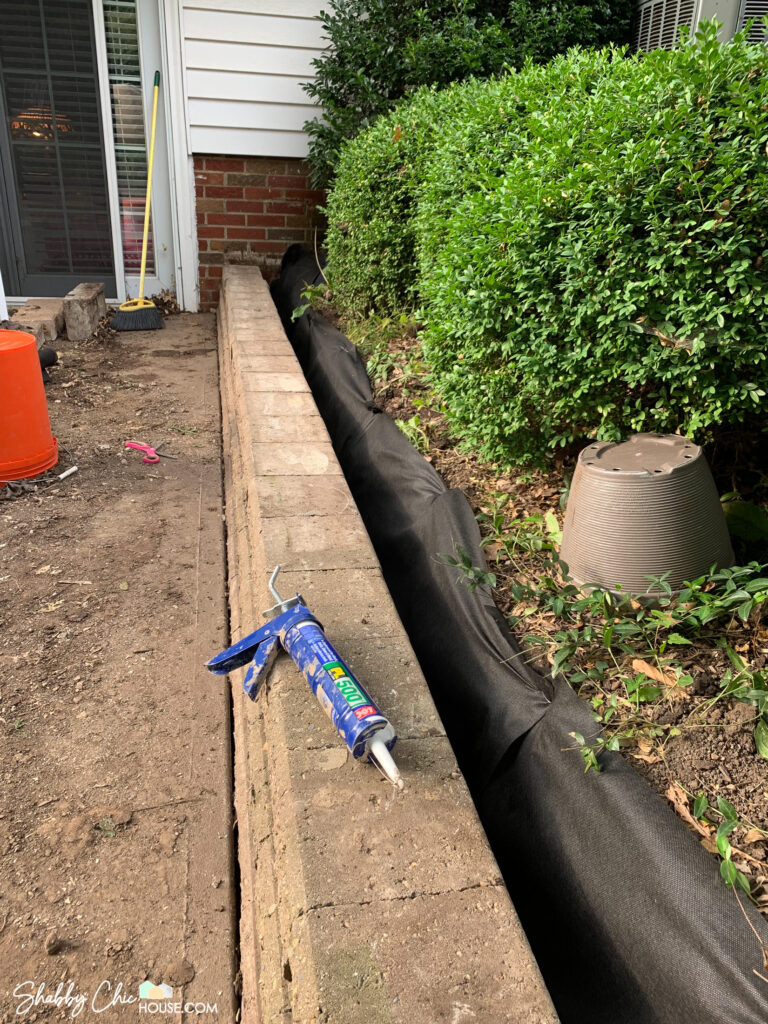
(730, 821)
(471, 575)
(716, 823)
(390, 350)
(415, 433)
(107, 828)
(314, 295)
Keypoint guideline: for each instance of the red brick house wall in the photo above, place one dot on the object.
(249, 210)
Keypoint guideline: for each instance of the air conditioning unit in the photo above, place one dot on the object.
(658, 22)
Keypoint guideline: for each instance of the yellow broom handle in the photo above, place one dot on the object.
(156, 91)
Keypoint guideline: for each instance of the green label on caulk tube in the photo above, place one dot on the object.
(347, 686)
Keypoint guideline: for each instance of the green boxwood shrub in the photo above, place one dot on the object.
(380, 51)
(586, 240)
(490, 124)
(637, 205)
(370, 238)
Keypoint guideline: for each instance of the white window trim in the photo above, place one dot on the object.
(110, 163)
(3, 306)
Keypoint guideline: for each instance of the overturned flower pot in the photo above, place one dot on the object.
(642, 509)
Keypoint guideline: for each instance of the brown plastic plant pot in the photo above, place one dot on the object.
(647, 506)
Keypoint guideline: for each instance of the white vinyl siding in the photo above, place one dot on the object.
(245, 63)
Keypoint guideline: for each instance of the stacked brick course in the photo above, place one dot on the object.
(249, 210)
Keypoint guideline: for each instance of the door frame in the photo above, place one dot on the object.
(153, 56)
(108, 130)
(6, 213)
(179, 168)
(181, 162)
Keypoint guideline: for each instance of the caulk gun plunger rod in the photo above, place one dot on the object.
(272, 580)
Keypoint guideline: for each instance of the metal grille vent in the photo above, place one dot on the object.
(658, 23)
(754, 9)
(121, 26)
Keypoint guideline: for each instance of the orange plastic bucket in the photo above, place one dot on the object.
(27, 446)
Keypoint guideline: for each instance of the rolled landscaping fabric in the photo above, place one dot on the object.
(625, 911)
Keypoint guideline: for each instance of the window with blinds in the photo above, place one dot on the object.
(756, 9)
(658, 23)
(52, 138)
(122, 32)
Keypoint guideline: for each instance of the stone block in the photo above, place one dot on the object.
(446, 957)
(295, 459)
(84, 306)
(254, 380)
(268, 364)
(351, 603)
(44, 318)
(318, 542)
(279, 429)
(280, 404)
(284, 495)
(393, 849)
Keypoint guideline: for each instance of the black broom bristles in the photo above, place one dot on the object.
(143, 318)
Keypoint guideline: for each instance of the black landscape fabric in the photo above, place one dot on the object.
(625, 911)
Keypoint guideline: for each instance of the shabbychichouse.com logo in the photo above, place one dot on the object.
(152, 999)
(159, 999)
(148, 990)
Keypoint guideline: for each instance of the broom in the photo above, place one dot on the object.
(141, 314)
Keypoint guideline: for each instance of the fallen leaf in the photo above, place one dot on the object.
(665, 678)
(679, 800)
(52, 606)
(42, 569)
(647, 757)
(754, 835)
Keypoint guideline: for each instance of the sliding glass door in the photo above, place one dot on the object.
(54, 207)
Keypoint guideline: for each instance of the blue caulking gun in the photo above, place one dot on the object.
(293, 628)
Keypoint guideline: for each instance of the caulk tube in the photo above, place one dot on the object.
(366, 731)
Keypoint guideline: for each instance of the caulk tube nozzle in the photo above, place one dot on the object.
(378, 753)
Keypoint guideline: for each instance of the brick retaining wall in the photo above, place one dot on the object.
(359, 904)
(249, 210)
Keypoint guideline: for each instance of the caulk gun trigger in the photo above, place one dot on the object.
(263, 659)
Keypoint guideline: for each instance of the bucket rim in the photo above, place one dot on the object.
(31, 465)
(10, 341)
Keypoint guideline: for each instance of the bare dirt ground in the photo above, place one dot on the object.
(115, 774)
